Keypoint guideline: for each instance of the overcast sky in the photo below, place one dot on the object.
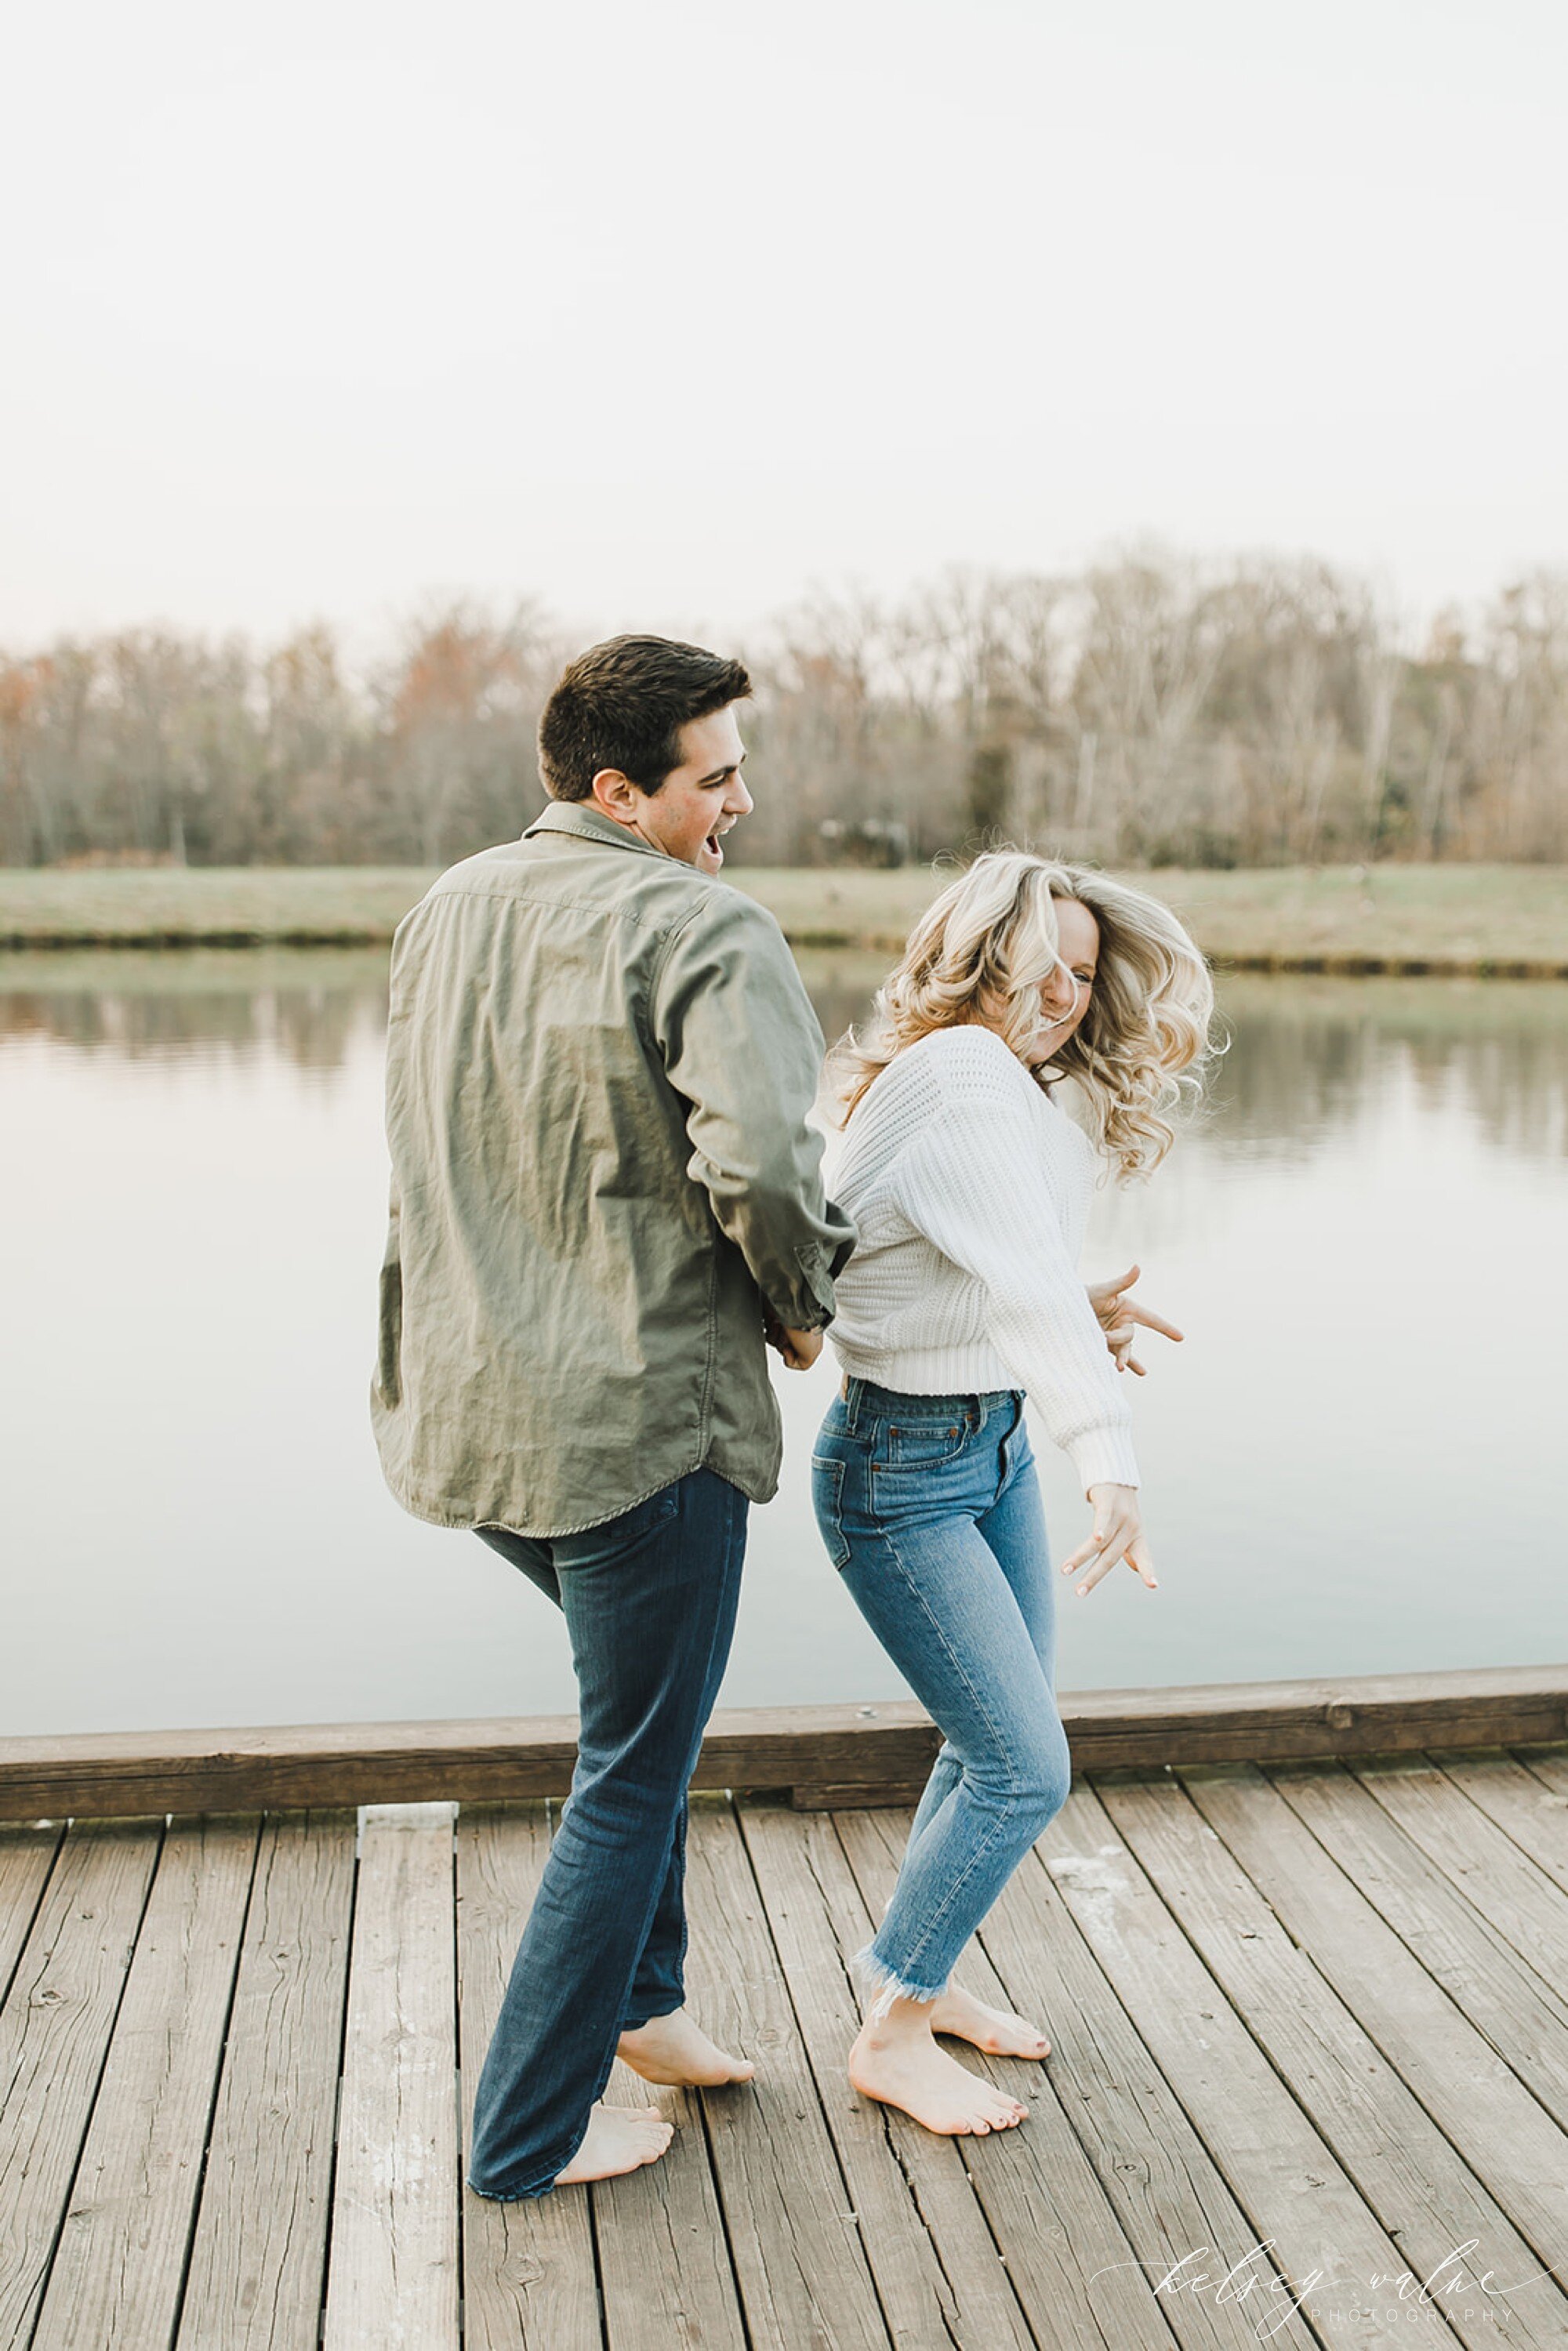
(665, 310)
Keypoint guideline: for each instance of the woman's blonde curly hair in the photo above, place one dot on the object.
(982, 952)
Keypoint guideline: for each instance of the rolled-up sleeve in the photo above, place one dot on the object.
(740, 1043)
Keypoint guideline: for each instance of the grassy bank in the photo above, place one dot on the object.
(1509, 919)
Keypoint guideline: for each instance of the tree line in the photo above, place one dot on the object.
(1151, 710)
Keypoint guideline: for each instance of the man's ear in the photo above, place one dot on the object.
(615, 796)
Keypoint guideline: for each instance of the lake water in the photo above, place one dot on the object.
(1353, 1463)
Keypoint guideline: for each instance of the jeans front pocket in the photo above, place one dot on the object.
(924, 1444)
(828, 1501)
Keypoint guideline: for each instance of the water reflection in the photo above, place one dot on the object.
(306, 1006)
(1304, 1056)
(1307, 1053)
(1351, 1462)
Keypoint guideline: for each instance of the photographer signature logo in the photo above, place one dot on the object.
(1454, 2284)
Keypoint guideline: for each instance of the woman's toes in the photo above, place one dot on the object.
(912, 2072)
(995, 2030)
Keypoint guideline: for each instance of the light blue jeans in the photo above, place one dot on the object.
(930, 1509)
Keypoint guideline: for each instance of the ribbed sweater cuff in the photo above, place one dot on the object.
(1104, 1455)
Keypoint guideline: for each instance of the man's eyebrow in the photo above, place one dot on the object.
(719, 774)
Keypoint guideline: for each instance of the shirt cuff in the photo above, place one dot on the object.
(811, 1304)
(1104, 1455)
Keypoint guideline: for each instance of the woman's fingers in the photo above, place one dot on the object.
(1115, 1526)
(1087, 1550)
(1108, 1557)
(1138, 1559)
(1118, 1534)
(1150, 1320)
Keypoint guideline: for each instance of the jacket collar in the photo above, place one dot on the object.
(590, 824)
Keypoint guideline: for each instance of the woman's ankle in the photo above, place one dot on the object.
(903, 2020)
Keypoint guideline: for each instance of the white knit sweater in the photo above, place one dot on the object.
(970, 1188)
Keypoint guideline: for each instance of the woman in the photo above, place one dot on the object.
(969, 1186)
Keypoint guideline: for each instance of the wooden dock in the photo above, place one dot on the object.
(1310, 2029)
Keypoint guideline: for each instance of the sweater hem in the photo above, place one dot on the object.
(930, 1371)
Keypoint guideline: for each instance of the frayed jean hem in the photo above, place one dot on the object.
(881, 1985)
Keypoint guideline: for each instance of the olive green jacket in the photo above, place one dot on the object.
(598, 1066)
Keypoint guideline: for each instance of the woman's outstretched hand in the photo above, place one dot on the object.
(1118, 1314)
(1118, 1534)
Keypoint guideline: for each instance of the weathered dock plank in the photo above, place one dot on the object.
(665, 2268)
(1514, 1795)
(1502, 1885)
(1524, 2018)
(941, 2282)
(1505, 2136)
(393, 2272)
(27, 1852)
(119, 2265)
(1420, 2186)
(804, 2281)
(55, 2031)
(1280, 2168)
(259, 2256)
(528, 2276)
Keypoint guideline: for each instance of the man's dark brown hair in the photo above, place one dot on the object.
(624, 704)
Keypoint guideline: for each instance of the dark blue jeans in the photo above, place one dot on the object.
(650, 1601)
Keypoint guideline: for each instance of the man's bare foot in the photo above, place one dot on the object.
(675, 2052)
(996, 2030)
(618, 2138)
(906, 2069)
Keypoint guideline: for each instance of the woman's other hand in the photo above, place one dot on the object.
(1118, 1534)
(1118, 1314)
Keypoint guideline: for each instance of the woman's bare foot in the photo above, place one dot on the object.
(996, 2030)
(675, 2052)
(898, 2062)
(618, 2138)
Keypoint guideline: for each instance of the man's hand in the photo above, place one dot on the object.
(799, 1348)
(1117, 1315)
(1118, 1534)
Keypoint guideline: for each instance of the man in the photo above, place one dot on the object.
(600, 1060)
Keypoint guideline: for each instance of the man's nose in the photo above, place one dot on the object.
(738, 799)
